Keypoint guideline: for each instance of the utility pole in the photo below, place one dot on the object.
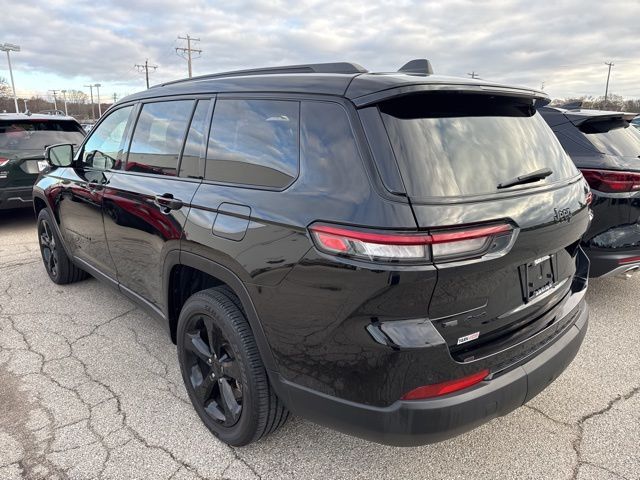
(115, 97)
(542, 85)
(64, 95)
(606, 90)
(93, 112)
(55, 100)
(146, 68)
(473, 74)
(97, 85)
(10, 47)
(188, 50)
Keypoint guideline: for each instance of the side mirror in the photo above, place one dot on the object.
(60, 155)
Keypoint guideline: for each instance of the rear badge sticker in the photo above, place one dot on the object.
(468, 338)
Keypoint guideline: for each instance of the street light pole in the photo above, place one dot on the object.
(9, 47)
(97, 85)
(64, 95)
(93, 112)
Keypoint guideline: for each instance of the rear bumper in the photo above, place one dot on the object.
(418, 422)
(16, 197)
(607, 262)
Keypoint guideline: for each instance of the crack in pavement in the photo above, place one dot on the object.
(578, 428)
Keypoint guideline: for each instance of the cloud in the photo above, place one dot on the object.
(563, 44)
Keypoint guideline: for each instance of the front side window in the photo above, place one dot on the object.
(105, 146)
(158, 137)
(254, 142)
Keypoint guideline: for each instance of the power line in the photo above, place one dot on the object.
(188, 50)
(606, 90)
(146, 68)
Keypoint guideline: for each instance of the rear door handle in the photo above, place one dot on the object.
(167, 202)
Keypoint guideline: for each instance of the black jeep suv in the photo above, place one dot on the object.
(606, 148)
(395, 255)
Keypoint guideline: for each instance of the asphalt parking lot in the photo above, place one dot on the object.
(90, 388)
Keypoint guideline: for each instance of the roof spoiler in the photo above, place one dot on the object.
(573, 105)
(580, 119)
(419, 65)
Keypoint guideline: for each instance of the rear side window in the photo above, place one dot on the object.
(616, 137)
(254, 142)
(452, 145)
(158, 137)
(194, 145)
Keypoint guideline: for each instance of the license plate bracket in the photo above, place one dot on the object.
(539, 276)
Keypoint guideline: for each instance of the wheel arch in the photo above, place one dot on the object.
(177, 259)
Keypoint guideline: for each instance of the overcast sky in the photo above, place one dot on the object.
(563, 43)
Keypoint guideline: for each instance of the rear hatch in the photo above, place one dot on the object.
(22, 144)
(464, 160)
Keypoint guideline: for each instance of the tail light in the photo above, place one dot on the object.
(3, 161)
(610, 181)
(411, 247)
(439, 389)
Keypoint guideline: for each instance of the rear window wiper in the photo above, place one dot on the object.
(528, 178)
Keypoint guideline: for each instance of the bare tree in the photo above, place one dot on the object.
(5, 89)
(76, 96)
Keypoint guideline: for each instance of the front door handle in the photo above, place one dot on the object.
(168, 203)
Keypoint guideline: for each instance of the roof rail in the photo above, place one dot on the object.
(336, 67)
(419, 65)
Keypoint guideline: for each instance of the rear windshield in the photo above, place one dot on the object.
(613, 137)
(451, 145)
(37, 134)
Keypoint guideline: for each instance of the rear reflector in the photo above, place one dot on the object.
(413, 247)
(439, 389)
(610, 181)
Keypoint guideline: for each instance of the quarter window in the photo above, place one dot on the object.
(158, 136)
(254, 142)
(105, 146)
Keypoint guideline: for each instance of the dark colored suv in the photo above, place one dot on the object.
(395, 255)
(606, 148)
(23, 139)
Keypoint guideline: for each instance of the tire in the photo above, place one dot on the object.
(230, 375)
(59, 266)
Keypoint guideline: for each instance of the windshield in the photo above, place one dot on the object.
(37, 134)
(457, 144)
(613, 137)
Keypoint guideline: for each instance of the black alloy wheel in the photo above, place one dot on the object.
(222, 369)
(214, 373)
(49, 248)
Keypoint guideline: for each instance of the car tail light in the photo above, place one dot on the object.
(610, 181)
(439, 389)
(629, 260)
(3, 161)
(410, 247)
